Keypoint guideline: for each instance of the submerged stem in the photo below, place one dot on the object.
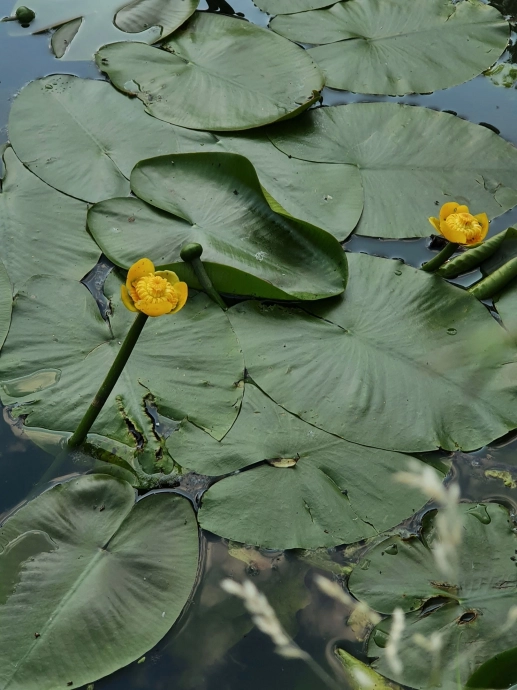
(443, 256)
(109, 382)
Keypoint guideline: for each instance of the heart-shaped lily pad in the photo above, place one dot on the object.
(300, 487)
(248, 248)
(83, 25)
(109, 577)
(206, 76)
(377, 46)
(433, 157)
(328, 196)
(403, 361)
(469, 613)
(84, 137)
(59, 350)
(41, 229)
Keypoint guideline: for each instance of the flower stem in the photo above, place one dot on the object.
(437, 261)
(191, 254)
(206, 283)
(109, 382)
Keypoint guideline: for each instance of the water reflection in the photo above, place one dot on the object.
(215, 646)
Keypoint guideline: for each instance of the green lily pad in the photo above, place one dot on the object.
(289, 6)
(498, 672)
(469, 612)
(506, 305)
(248, 248)
(377, 46)
(6, 303)
(327, 196)
(302, 487)
(206, 76)
(59, 350)
(432, 157)
(404, 361)
(83, 137)
(380, 138)
(41, 229)
(84, 25)
(109, 576)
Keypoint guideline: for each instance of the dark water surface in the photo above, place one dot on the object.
(214, 646)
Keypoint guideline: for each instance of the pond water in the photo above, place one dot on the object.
(214, 646)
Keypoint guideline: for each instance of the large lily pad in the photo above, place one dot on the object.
(328, 196)
(403, 361)
(84, 25)
(59, 349)
(6, 303)
(84, 137)
(411, 160)
(90, 581)
(206, 76)
(469, 612)
(41, 229)
(506, 306)
(303, 488)
(377, 46)
(248, 248)
(289, 6)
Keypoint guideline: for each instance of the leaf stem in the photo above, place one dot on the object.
(435, 263)
(109, 382)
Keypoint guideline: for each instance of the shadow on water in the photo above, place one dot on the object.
(214, 646)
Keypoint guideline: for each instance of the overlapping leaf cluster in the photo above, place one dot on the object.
(303, 399)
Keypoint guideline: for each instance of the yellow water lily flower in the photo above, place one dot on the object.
(457, 225)
(153, 292)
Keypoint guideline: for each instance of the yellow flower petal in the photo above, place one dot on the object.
(484, 222)
(435, 223)
(154, 308)
(143, 267)
(181, 290)
(448, 208)
(451, 234)
(126, 299)
(154, 293)
(170, 276)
